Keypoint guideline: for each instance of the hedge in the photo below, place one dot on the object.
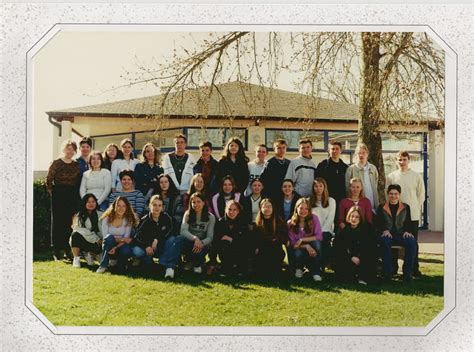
(41, 216)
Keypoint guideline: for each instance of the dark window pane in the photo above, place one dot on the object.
(100, 143)
(217, 136)
(292, 137)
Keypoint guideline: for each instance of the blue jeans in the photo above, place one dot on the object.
(168, 251)
(409, 243)
(300, 257)
(198, 259)
(121, 254)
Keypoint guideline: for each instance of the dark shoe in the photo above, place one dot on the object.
(407, 279)
(417, 273)
(387, 278)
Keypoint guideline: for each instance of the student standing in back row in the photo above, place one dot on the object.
(301, 169)
(128, 162)
(234, 163)
(179, 164)
(333, 171)
(256, 166)
(366, 172)
(275, 169)
(413, 194)
(207, 167)
(63, 175)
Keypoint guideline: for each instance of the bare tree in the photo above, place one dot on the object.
(392, 76)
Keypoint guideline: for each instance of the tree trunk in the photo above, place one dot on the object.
(369, 109)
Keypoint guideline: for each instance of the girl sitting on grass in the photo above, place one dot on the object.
(197, 229)
(231, 241)
(154, 238)
(86, 235)
(117, 223)
(305, 236)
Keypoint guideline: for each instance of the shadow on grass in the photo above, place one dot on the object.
(425, 285)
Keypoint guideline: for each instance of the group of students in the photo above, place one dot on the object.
(246, 213)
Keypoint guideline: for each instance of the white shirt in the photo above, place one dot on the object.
(118, 165)
(326, 215)
(98, 183)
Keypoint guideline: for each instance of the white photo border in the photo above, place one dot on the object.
(449, 204)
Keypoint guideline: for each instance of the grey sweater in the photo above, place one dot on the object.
(301, 171)
(202, 230)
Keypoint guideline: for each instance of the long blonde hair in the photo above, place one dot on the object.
(259, 220)
(295, 218)
(324, 197)
(111, 212)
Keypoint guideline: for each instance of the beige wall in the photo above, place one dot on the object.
(436, 181)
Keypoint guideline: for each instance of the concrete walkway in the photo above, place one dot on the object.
(431, 242)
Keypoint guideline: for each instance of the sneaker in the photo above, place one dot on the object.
(211, 269)
(89, 259)
(362, 282)
(169, 273)
(56, 258)
(101, 270)
(76, 262)
(407, 279)
(187, 266)
(112, 262)
(135, 262)
(299, 273)
(317, 278)
(197, 269)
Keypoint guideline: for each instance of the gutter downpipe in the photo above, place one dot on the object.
(56, 124)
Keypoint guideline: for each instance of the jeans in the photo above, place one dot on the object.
(300, 257)
(198, 259)
(122, 253)
(168, 251)
(410, 245)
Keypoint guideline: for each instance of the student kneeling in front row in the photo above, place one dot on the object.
(155, 238)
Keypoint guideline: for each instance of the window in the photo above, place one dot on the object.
(347, 139)
(405, 141)
(164, 139)
(292, 138)
(217, 136)
(101, 142)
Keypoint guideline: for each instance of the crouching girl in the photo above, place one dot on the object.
(154, 238)
(354, 248)
(117, 223)
(231, 240)
(198, 230)
(86, 235)
(305, 236)
(270, 234)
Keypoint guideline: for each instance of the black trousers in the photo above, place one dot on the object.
(63, 206)
(269, 259)
(233, 253)
(77, 240)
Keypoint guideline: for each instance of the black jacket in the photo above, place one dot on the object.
(398, 226)
(237, 229)
(280, 208)
(356, 242)
(212, 186)
(238, 170)
(273, 175)
(148, 230)
(334, 174)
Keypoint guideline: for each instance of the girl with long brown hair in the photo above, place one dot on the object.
(117, 224)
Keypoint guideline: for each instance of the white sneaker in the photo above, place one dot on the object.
(135, 262)
(317, 278)
(197, 269)
(89, 259)
(101, 270)
(76, 262)
(362, 282)
(169, 273)
(112, 262)
(299, 273)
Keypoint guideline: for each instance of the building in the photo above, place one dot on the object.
(256, 114)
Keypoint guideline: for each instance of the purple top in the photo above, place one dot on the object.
(295, 236)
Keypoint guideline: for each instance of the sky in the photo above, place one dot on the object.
(80, 68)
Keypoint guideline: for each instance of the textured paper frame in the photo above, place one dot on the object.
(15, 227)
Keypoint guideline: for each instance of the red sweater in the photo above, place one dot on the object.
(347, 203)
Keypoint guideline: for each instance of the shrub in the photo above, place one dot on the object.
(41, 216)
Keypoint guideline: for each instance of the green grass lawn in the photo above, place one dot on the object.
(80, 297)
